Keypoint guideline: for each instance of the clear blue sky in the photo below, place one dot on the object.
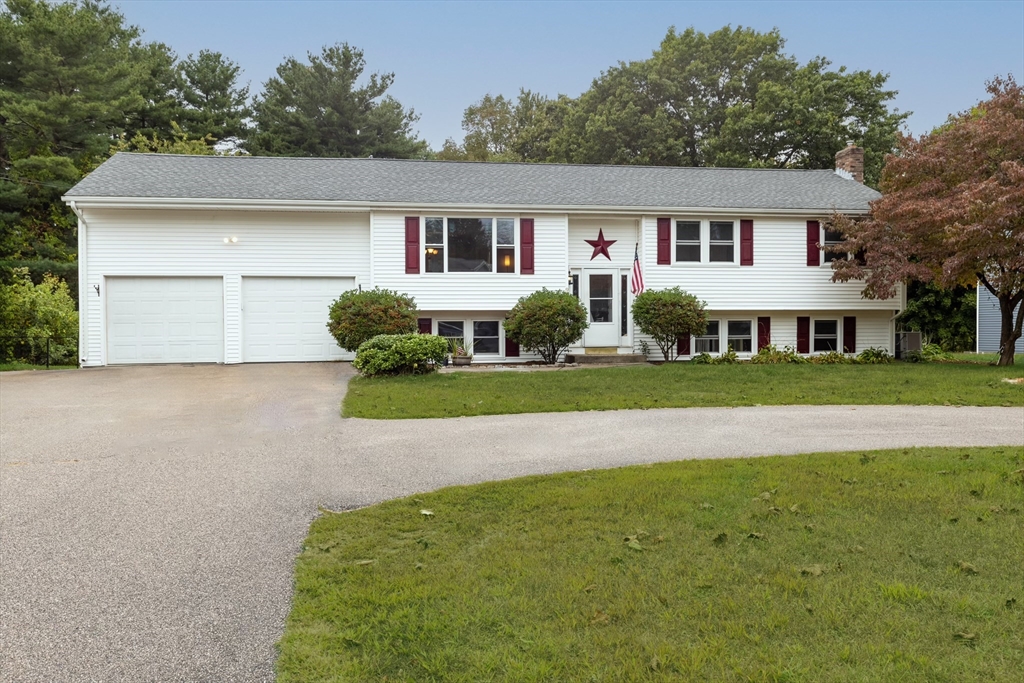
(446, 55)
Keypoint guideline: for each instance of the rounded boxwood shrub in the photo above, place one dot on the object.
(546, 322)
(400, 354)
(667, 315)
(356, 317)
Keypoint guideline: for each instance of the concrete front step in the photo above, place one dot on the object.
(605, 358)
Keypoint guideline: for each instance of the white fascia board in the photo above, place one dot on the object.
(363, 207)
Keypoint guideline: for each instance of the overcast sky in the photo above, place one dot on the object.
(446, 55)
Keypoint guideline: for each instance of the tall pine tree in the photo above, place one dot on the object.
(320, 109)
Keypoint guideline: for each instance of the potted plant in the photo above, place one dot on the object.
(458, 350)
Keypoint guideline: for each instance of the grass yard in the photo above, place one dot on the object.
(7, 367)
(877, 566)
(680, 385)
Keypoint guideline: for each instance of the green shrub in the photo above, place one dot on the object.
(400, 354)
(934, 352)
(356, 317)
(546, 322)
(831, 358)
(668, 315)
(874, 356)
(727, 358)
(30, 314)
(770, 355)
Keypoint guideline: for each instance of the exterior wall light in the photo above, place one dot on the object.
(230, 240)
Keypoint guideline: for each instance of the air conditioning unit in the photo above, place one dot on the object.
(907, 341)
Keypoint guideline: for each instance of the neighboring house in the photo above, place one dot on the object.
(236, 259)
(989, 324)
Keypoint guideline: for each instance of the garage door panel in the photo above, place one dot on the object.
(285, 319)
(165, 320)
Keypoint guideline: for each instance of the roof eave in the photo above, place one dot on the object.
(348, 206)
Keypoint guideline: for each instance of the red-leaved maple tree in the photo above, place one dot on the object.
(952, 211)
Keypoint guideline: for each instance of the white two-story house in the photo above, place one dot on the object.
(236, 259)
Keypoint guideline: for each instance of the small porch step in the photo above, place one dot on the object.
(605, 358)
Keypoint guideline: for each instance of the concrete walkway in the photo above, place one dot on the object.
(150, 516)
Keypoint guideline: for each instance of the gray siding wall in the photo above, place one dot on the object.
(988, 323)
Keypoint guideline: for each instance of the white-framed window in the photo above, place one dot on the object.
(452, 330)
(710, 341)
(434, 249)
(705, 240)
(469, 245)
(477, 337)
(722, 242)
(825, 336)
(688, 241)
(740, 335)
(486, 337)
(830, 239)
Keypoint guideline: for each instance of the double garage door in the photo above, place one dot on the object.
(181, 319)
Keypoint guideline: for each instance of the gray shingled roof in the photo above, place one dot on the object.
(391, 181)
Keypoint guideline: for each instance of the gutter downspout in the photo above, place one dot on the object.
(83, 297)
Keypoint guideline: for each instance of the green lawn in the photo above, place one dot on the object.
(680, 385)
(7, 367)
(876, 566)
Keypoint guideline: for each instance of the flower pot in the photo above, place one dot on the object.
(462, 360)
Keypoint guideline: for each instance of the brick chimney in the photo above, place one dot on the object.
(851, 160)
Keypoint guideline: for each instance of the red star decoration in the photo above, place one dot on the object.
(600, 245)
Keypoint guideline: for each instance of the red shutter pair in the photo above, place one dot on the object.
(665, 242)
(412, 245)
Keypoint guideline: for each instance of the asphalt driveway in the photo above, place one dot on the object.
(150, 516)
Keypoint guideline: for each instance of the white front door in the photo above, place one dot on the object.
(165, 320)
(601, 297)
(285, 318)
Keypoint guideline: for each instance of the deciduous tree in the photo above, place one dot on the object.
(728, 98)
(952, 211)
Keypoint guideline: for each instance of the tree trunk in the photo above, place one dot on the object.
(1010, 329)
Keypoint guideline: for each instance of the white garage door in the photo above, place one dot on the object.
(285, 318)
(165, 320)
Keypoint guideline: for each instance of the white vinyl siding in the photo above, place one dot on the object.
(165, 320)
(874, 328)
(285, 319)
(779, 280)
(190, 243)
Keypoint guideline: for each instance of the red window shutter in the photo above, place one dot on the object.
(746, 243)
(526, 246)
(412, 245)
(664, 241)
(511, 348)
(803, 335)
(683, 346)
(425, 325)
(850, 334)
(764, 332)
(813, 235)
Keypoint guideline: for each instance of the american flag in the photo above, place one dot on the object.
(637, 285)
